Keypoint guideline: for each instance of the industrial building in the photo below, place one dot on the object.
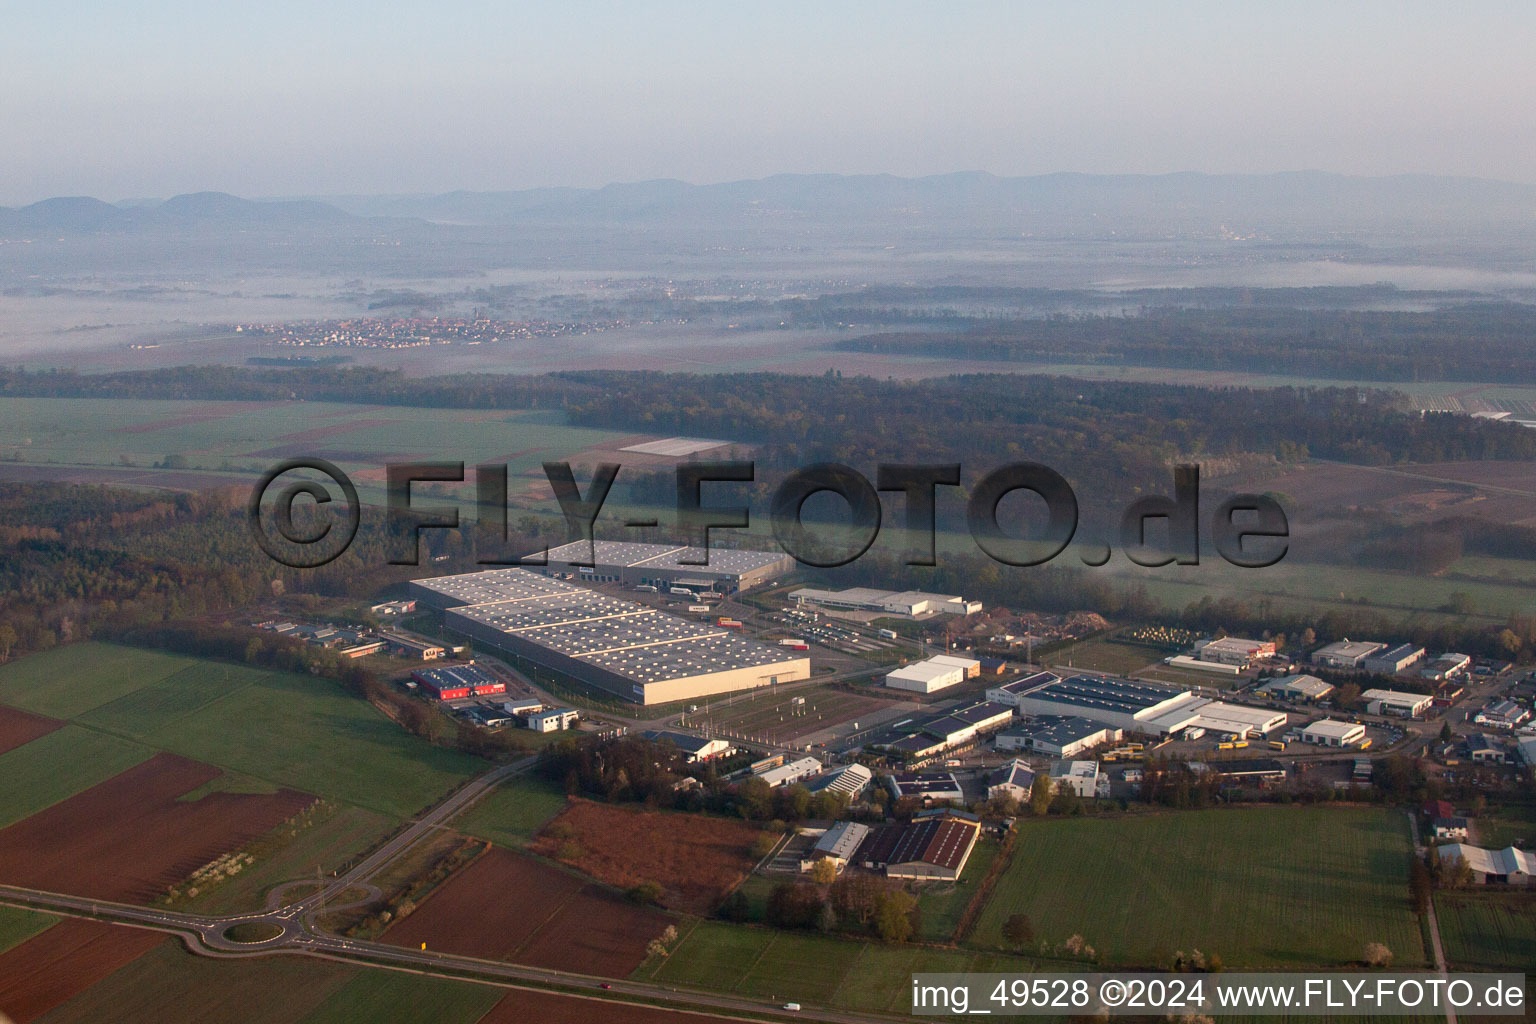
(1135, 707)
(962, 724)
(666, 565)
(1260, 771)
(789, 773)
(933, 847)
(1014, 779)
(1294, 687)
(909, 604)
(929, 788)
(693, 748)
(1484, 749)
(1080, 777)
(1346, 653)
(1062, 736)
(452, 682)
(1395, 702)
(554, 719)
(1501, 714)
(837, 844)
(1329, 733)
(1393, 660)
(847, 781)
(1009, 693)
(1231, 650)
(1447, 666)
(933, 674)
(628, 649)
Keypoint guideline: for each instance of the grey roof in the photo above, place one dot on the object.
(1057, 730)
(682, 741)
(1027, 683)
(671, 557)
(1014, 773)
(1120, 695)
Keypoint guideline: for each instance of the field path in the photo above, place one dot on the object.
(1434, 924)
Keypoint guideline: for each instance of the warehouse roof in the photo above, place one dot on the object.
(1354, 649)
(841, 840)
(1058, 730)
(673, 557)
(1029, 682)
(1492, 862)
(1308, 686)
(925, 785)
(447, 677)
(942, 841)
(1105, 693)
(1332, 727)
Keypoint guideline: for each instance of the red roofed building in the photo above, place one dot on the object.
(934, 847)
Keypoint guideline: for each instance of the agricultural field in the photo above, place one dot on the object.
(943, 903)
(193, 444)
(130, 838)
(512, 813)
(551, 1008)
(59, 765)
(1287, 887)
(772, 718)
(694, 858)
(395, 997)
(540, 916)
(168, 985)
(18, 728)
(1487, 930)
(1503, 825)
(814, 969)
(289, 730)
(67, 959)
(18, 924)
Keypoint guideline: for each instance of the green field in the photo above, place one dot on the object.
(284, 729)
(1501, 825)
(942, 903)
(809, 968)
(1116, 657)
(1488, 930)
(18, 925)
(59, 765)
(513, 812)
(1260, 887)
(395, 997)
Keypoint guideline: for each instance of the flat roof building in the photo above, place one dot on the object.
(1394, 659)
(1009, 693)
(909, 604)
(837, 844)
(1081, 777)
(452, 682)
(1233, 650)
(1329, 733)
(1063, 736)
(1447, 666)
(628, 649)
(638, 564)
(554, 719)
(1126, 705)
(928, 787)
(961, 724)
(1501, 714)
(1395, 702)
(1346, 653)
(933, 674)
(790, 773)
(1295, 687)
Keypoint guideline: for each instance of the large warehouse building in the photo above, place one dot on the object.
(1143, 708)
(630, 650)
(665, 565)
(910, 604)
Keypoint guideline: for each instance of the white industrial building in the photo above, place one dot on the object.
(933, 674)
(1447, 666)
(1395, 702)
(929, 788)
(1232, 650)
(693, 748)
(1081, 777)
(1135, 707)
(554, 719)
(1009, 693)
(1501, 714)
(1330, 733)
(910, 604)
(847, 781)
(628, 649)
(666, 565)
(837, 844)
(790, 773)
(1346, 653)
(1061, 736)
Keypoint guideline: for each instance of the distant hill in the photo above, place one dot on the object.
(1307, 206)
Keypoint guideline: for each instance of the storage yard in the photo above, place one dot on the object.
(785, 719)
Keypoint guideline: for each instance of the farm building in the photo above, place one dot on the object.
(1014, 779)
(1501, 714)
(1396, 702)
(933, 674)
(837, 844)
(909, 604)
(849, 781)
(1295, 687)
(1346, 653)
(1447, 666)
(1062, 736)
(1009, 693)
(554, 719)
(933, 847)
(666, 565)
(1081, 777)
(929, 788)
(451, 682)
(1231, 650)
(628, 649)
(1329, 733)
(1450, 828)
(1511, 866)
(1394, 659)
(694, 748)
(789, 773)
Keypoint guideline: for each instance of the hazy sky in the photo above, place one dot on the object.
(153, 98)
